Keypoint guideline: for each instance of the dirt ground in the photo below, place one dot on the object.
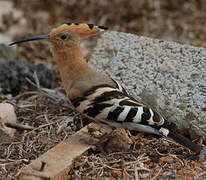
(182, 21)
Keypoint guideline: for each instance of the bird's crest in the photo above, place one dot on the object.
(84, 30)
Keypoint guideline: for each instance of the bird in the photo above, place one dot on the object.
(98, 96)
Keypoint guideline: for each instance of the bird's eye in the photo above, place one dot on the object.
(63, 36)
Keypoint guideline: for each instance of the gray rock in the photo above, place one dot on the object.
(14, 74)
(168, 76)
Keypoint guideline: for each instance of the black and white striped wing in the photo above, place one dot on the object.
(111, 106)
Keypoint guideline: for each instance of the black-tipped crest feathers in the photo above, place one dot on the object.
(89, 25)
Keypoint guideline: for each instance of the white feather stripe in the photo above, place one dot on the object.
(132, 126)
(116, 101)
(138, 116)
(104, 113)
(164, 131)
(84, 105)
(161, 122)
(100, 91)
(122, 116)
(150, 121)
(141, 128)
(119, 86)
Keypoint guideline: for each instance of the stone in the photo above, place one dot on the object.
(118, 141)
(14, 74)
(167, 76)
(7, 114)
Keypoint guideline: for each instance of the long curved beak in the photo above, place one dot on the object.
(33, 38)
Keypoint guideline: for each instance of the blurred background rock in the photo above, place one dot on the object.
(182, 21)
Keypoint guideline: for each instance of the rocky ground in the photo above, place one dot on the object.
(50, 121)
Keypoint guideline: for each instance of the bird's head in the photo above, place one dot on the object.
(67, 35)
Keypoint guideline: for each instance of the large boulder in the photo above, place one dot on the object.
(167, 76)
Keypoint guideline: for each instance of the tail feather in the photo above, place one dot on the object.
(184, 141)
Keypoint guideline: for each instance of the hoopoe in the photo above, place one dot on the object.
(97, 96)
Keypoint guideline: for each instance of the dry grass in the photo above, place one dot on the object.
(150, 158)
(50, 125)
(142, 160)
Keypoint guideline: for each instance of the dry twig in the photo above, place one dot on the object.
(19, 126)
